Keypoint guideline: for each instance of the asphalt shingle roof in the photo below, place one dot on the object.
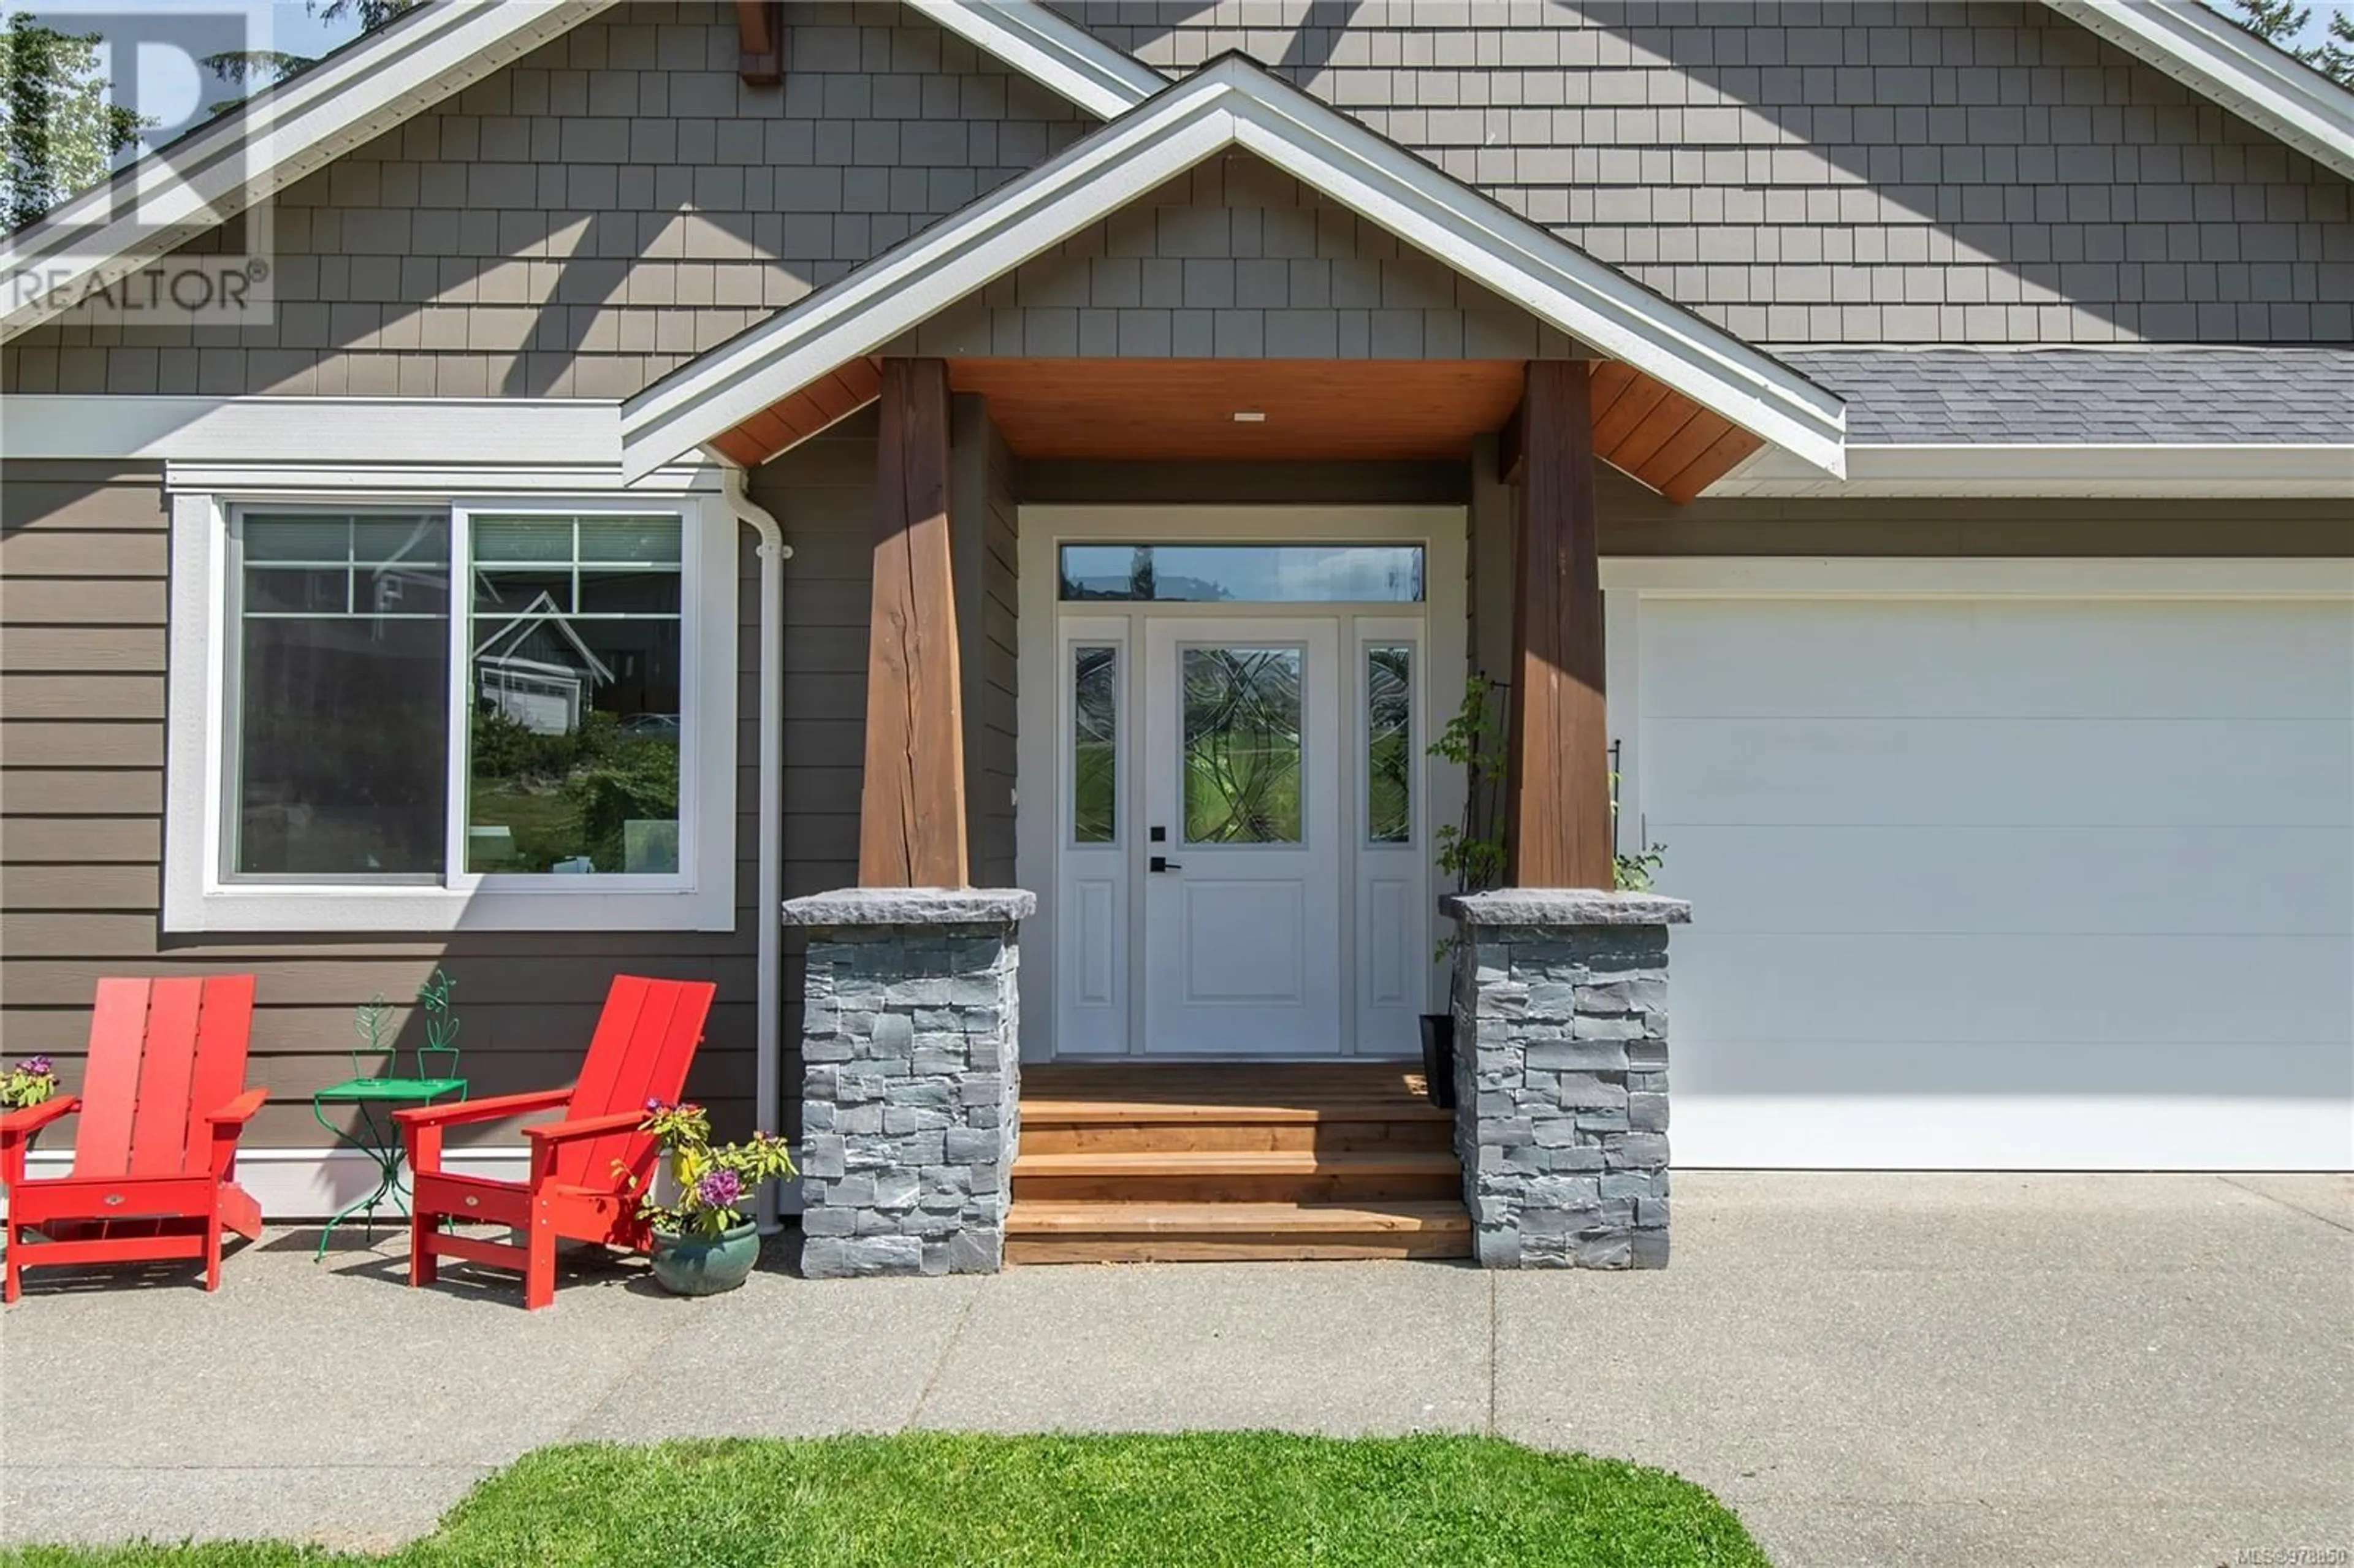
(2123, 397)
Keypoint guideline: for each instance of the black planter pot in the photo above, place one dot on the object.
(1438, 1058)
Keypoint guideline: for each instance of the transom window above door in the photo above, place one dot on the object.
(1242, 574)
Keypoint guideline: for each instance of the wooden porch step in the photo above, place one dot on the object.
(1049, 1232)
(1376, 1172)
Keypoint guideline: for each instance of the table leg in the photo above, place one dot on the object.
(373, 1147)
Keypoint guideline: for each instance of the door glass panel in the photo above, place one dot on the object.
(1242, 752)
(1389, 744)
(1095, 745)
(1241, 574)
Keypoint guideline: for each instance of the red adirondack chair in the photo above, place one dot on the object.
(156, 1156)
(582, 1168)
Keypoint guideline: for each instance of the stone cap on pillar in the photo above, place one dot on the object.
(1564, 906)
(851, 907)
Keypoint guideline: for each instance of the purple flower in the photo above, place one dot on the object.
(720, 1189)
(38, 1066)
(653, 1103)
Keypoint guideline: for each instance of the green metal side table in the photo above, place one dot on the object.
(379, 1139)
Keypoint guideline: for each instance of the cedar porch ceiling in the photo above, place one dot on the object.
(1317, 410)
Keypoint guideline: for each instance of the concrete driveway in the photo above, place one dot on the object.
(1872, 1369)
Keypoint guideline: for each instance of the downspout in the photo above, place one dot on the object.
(768, 906)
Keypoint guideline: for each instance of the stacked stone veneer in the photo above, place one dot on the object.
(911, 1085)
(1561, 1075)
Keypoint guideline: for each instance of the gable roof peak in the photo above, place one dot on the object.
(1233, 101)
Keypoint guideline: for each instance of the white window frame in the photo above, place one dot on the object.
(199, 897)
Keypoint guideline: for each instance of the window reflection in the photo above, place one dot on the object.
(1237, 574)
(573, 763)
(343, 696)
(1095, 745)
(1389, 744)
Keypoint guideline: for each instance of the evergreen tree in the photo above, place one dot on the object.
(2279, 23)
(262, 66)
(59, 135)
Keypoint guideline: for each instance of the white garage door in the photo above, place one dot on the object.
(2003, 883)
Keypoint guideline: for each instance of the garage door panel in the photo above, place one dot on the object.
(2028, 1131)
(1716, 1069)
(2025, 659)
(2005, 883)
(1992, 772)
(1936, 880)
(2223, 991)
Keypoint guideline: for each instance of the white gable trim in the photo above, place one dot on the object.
(2214, 57)
(281, 134)
(1230, 103)
(1052, 50)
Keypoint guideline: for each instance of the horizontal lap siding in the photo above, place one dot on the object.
(82, 563)
(823, 495)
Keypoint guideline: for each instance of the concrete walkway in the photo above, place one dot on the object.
(1872, 1370)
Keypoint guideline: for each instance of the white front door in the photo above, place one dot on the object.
(1242, 928)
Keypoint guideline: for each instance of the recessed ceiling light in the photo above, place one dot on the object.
(1249, 416)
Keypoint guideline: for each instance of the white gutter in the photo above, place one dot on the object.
(768, 1061)
(2148, 470)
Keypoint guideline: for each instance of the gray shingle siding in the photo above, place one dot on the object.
(2229, 397)
(589, 218)
(1921, 172)
(1234, 259)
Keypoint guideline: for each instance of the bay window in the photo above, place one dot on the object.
(514, 713)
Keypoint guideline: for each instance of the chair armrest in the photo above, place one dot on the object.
(241, 1110)
(17, 1128)
(548, 1132)
(497, 1107)
(20, 1124)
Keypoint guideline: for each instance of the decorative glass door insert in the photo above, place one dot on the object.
(1242, 757)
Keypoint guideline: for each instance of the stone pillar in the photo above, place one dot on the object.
(1561, 1075)
(911, 1082)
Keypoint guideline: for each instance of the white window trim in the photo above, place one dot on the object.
(197, 898)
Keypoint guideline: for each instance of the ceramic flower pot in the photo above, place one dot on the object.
(706, 1265)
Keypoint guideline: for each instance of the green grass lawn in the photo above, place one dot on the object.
(1249, 1499)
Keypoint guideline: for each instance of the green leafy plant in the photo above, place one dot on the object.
(29, 1083)
(633, 780)
(1472, 852)
(713, 1184)
(1632, 873)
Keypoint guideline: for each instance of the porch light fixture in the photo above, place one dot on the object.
(1250, 417)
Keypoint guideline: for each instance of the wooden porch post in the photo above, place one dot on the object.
(911, 824)
(1557, 799)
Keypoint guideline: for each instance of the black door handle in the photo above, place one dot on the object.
(1163, 862)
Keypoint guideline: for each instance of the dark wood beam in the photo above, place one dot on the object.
(1510, 445)
(911, 825)
(1557, 786)
(760, 41)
